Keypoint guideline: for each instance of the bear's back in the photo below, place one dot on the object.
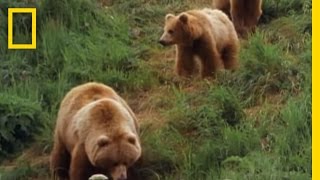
(84, 94)
(246, 9)
(105, 114)
(221, 26)
(79, 97)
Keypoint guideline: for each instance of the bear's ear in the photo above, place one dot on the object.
(183, 18)
(169, 16)
(103, 141)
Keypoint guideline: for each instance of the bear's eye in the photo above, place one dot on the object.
(115, 164)
(170, 31)
(103, 141)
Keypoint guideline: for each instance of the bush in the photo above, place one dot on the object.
(20, 119)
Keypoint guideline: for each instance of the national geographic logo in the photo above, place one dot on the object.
(33, 12)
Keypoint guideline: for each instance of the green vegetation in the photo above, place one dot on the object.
(254, 123)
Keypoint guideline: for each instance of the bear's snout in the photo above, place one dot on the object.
(165, 42)
(162, 42)
(119, 173)
(121, 178)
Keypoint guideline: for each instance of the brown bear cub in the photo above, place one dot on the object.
(245, 14)
(205, 34)
(96, 132)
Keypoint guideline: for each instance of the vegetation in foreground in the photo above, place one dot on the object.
(254, 123)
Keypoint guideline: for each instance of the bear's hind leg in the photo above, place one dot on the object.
(210, 63)
(229, 56)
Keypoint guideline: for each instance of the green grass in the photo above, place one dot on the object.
(254, 123)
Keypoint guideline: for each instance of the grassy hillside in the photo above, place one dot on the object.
(252, 124)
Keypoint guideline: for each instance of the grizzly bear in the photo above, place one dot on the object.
(245, 14)
(207, 35)
(96, 132)
(223, 5)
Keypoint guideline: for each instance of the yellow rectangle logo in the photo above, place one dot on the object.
(33, 12)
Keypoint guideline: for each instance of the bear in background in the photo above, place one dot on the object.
(96, 132)
(245, 14)
(205, 34)
(223, 5)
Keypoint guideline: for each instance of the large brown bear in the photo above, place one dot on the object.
(223, 5)
(205, 34)
(245, 14)
(96, 132)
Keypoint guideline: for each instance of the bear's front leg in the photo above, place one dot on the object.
(59, 161)
(185, 64)
(80, 168)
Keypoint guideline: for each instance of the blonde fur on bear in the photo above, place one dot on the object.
(96, 132)
(205, 34)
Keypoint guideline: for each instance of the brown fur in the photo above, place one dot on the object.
(223, 5)
(245, 14)
(96, 132)
(205, 34)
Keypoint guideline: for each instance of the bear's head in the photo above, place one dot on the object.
(248, 22)
(110, 137)
(116, 154)
(181, 29)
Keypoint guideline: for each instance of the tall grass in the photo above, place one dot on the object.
(78, 41)
(254, 123)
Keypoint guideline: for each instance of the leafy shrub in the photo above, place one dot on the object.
(20, 119)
